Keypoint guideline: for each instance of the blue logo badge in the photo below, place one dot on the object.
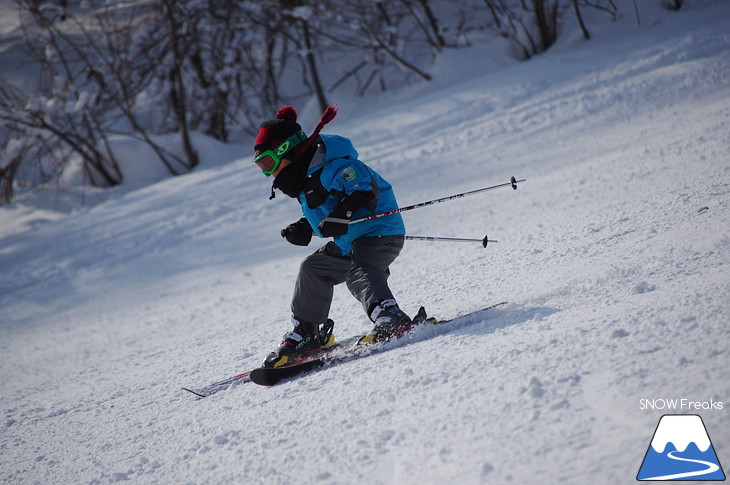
(681, 450)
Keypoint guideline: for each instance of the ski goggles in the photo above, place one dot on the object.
(270, 160)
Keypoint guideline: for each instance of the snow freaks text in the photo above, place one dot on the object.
(679, 404)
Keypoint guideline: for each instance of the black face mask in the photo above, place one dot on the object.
(291, 179)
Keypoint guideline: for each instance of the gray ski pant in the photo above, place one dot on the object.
(364, 270)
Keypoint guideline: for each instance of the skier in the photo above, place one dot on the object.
(333, 187)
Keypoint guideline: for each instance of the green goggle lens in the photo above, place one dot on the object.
(269, 160)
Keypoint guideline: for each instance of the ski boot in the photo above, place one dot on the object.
(306, 337)
(390, 321)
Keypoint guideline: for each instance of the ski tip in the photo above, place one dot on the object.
(193, 391)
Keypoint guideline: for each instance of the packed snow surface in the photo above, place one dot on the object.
(613, 255)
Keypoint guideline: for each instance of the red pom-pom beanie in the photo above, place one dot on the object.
(273, 132)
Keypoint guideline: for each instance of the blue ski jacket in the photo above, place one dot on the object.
(339, 173)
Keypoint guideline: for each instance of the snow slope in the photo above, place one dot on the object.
(613, 255)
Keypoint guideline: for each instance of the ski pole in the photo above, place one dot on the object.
(484, 240)
(512, 183)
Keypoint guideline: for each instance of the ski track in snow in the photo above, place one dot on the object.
(613, 257)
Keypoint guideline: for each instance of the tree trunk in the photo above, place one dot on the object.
(312, 67)
(179, 88)
(586, 34)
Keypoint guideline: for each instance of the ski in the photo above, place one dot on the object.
(220, 385)
(347, 349)
(215, 387)
(300, 365)
(266, 376)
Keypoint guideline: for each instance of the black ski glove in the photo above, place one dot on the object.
(336, 223)
(298, 233)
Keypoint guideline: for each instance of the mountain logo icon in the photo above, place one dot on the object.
(680, 450)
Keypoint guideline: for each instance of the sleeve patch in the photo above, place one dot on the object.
(348, 174)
